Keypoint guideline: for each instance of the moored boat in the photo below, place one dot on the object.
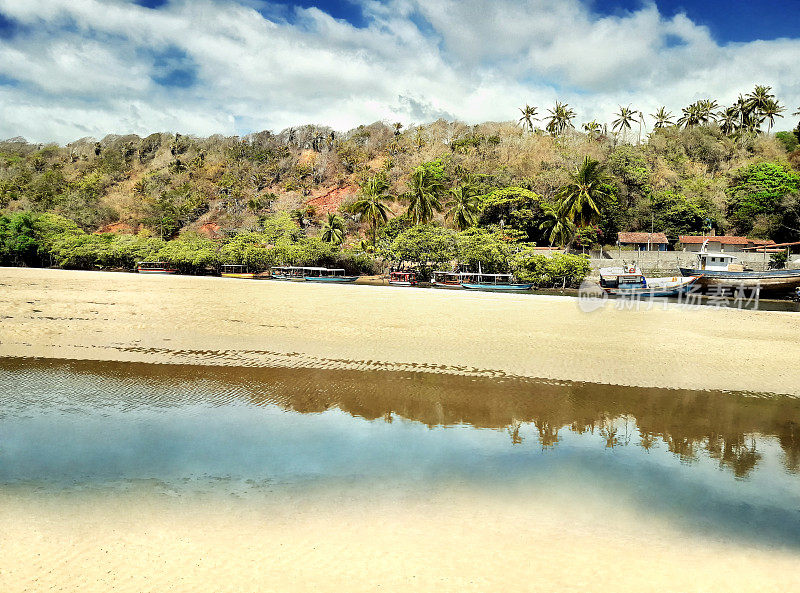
(442, 279)
(155, 267)
(291, 273)
(629, 281)
(496, 283)
(331, 275)
(402, 278)
(725, 270)
(236, 271)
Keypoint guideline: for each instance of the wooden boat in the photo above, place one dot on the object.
(496, 282)
(630, 282)
(291, 273)
(442, 279)
(236, 271)
(155, 267)
(402, 278)
(330, 275)
(725, 270)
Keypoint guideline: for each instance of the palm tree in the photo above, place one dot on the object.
(528, 117)
(423, 196)
(462, 206)
(592, 129)
(560, 118)
(371, 205)
(698, 113)
(333, 230)
(623, 121)
(397, 127)
(557, 226)
(585, 196)
(663, 118)
(728, 120)
(759, 98)
(772, 109)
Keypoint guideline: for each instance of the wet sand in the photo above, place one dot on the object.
(219, 321)
(452, 541)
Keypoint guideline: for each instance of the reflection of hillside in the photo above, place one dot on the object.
(727, 426)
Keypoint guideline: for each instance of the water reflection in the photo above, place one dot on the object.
(730, 428)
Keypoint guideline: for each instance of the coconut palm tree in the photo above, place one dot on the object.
(423, 195)
(528, 117)
(372, 205)
(592, 129)
(557, 226)
(397, 127)
(728, 120)
(623, 121)
(462, 207)
(333, 230)
(771, 109)
(759, 98)
(560, 118)
(663, 118)
(586, 194)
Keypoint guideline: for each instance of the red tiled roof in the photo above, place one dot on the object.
(656, 238)
(721, 239)
(762, 241)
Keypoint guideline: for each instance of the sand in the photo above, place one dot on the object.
(454, 541)
(203, 320)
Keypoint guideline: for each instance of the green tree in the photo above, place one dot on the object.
(425, 189)
(333, 230)
(557, 225)
(513, 208)
(424, 245)
(528, 117)
(585, 196)
(663, 118)
(625, 118)
(372, 204)
(560, 118)
(758, 190)
(462, 207)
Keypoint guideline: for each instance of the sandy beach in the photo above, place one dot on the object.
(219, 321)
(454, 541)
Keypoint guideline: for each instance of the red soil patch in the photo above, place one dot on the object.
(330, 200)
(209, 229)
(120, 228)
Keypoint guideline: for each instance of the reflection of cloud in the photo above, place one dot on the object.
(68, 66)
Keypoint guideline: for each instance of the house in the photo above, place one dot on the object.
(725, 243)
(644, 241)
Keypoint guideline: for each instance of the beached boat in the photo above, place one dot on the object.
(442, 279)
(332, 275)
(155, 267)
(236, 271)
(403, 278)
(291, 273)
(725, 270)
(629, 281)
(496, 282)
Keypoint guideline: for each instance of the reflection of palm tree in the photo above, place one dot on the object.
(548, 434)
(371, 205)
(513, 431)
(528, 117)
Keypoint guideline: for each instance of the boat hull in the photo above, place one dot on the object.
(157, 271)
(401, 283)
(443, 285)
(767, 280)
(332, 279)
(247, 276)
(658, 290)
(497, 287)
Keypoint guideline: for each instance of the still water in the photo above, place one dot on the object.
(721, 462)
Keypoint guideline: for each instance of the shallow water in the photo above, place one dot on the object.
(722, 462)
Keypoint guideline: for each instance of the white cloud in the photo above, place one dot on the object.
(81, 67)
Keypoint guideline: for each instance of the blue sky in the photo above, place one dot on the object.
(75, 68)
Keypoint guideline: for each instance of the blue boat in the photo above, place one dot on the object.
(329, 275)
(495, 283)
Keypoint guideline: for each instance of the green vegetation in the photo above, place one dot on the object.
(441, 194)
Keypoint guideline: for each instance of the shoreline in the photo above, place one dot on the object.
(220, 321)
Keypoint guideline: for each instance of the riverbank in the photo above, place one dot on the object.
(220, 321)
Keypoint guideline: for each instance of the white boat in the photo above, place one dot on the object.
(442, 279)
(724, 269)
(630, 281)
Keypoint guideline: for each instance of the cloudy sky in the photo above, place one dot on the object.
(74, 68)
